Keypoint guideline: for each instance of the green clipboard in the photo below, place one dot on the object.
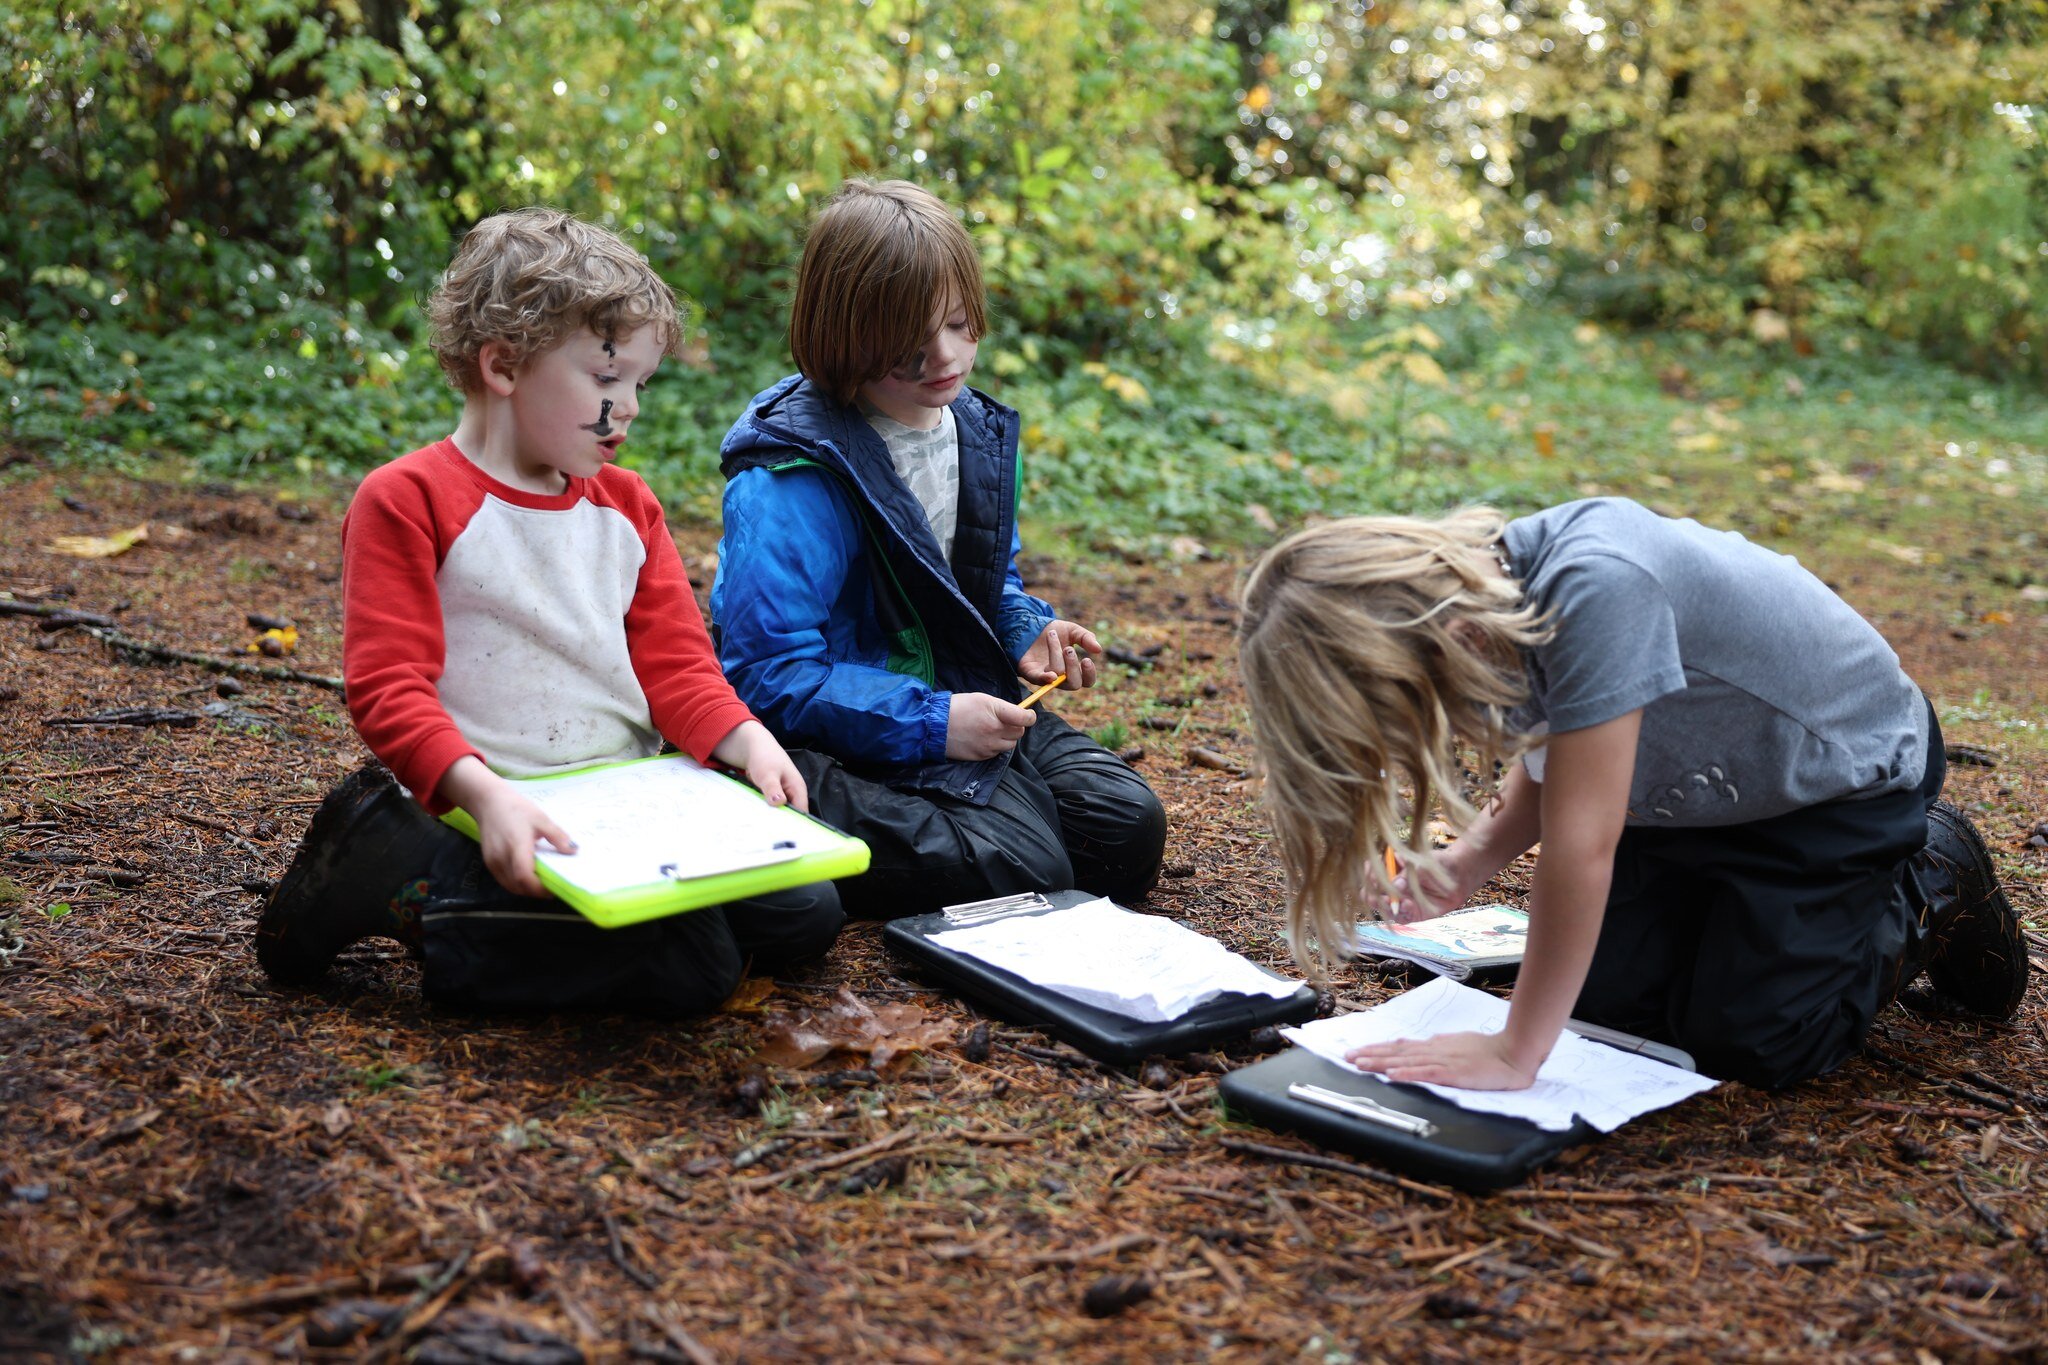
(658, 836)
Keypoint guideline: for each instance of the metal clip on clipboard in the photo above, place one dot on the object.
(1359, 1107)
(781, 851)
(1000, 907)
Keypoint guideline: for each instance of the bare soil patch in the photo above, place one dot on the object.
(201, 1167)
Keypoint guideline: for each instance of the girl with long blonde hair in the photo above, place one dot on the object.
(1734, 783)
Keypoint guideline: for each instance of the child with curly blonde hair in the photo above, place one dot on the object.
(513, 606)
(1734, 783)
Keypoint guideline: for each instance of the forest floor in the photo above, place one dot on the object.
(200, 1166)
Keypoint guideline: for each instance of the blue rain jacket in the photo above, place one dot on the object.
(838, 620)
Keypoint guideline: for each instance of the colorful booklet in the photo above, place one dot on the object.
(658, 836)
(1485, 939)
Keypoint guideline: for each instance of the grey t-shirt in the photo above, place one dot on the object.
(928, 462)
(1762, 692)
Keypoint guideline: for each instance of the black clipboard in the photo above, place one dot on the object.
(1476, 1152)
(1102, 1034)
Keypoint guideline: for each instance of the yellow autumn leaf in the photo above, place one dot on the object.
(274, 642)
(1122, 385)
(1423, 369)
(101, 547)
(750, 996)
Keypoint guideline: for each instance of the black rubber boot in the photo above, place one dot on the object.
(349, 879)
(1975, 951)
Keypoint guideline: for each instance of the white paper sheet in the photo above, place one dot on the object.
(1139, 966)
(1603, 1085)
(639, 823)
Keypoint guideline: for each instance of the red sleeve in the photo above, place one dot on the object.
(692, 704)
(393, 644)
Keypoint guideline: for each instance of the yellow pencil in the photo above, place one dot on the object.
(1393, 868)
(1034, 697)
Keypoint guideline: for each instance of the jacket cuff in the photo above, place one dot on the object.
(938, 707)
(1021, 631)
(425, 768)
(708, 733)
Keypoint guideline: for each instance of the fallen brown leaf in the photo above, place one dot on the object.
(750, 996)
(850, 1024)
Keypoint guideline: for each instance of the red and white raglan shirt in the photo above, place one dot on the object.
(539, 632)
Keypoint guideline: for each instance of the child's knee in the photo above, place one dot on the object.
(1775, 1058)
(1148, 827)
(812, 921)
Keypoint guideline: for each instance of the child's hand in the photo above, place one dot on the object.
(509, 825)
(980, 726)
(1471, 1061)
(750, 748)
(1062, 647)
(1426, 892)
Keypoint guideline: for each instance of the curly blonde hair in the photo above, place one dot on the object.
(529, 277)
(1371, 649)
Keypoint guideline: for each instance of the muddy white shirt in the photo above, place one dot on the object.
(537, 632)
(1762, 692)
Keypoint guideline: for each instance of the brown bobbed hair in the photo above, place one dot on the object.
(881, 259)
(1374, 651)
(528, 277)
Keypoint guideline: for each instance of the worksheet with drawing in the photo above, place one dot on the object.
(1140, 966)
(1601, 1084)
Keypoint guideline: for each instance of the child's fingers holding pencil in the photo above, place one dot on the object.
(1038, 694)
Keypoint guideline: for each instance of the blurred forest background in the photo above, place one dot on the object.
(1250, 259)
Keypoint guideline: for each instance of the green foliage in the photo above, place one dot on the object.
(1113, 736)
(1219, 288)
(376, 1077)
(291, 380)
(1702, 162)
(215, 213)
(331, 132)
(1959, 261)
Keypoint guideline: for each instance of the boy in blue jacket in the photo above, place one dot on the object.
(868, 605)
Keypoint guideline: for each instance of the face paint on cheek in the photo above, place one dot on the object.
(603, 425)
(910, 371)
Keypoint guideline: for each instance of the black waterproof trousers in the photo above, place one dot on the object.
(487, 949)
(1067, 813)
(1766, 949)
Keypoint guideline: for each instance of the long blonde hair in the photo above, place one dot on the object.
(1371, 649)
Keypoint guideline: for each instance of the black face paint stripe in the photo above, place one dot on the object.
(603, 425)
